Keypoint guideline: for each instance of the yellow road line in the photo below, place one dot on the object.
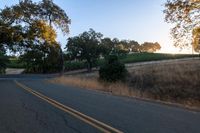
(87, 119)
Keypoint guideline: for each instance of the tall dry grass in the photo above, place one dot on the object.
(172, 82)
(179, 82)
(93, 83)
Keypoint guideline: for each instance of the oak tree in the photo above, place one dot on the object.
(86, 47)
(35, 19)
(150, 47)
(185, 16)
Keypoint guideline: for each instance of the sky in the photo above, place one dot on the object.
(140, 20)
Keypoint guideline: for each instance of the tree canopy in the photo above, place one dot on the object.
(10, 36)
(29, 27)
(185, 16)
(86, 46)
(107, 46)
(90, 46)
(115, 46)
(27, 12)
(40, 31)
(150, 47)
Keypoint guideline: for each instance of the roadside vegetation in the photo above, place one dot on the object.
(30, 29)
(184, 16)
(3, 61)
(89, 49)
(13, 62)
(128, 58)
(112, 70)
(172, 82)
(176, 82)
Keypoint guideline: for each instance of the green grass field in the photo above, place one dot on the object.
(130, 58)
(141, 57)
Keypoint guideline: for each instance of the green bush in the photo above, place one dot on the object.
(75, 65)
(15, 63)
(112, 70)
(3, 61)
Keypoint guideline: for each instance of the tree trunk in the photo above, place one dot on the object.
(62, 65)
(89, 65)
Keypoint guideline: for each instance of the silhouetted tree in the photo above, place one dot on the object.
(86, 46)
(107, 46)
(43, 54)
(35, 22)
(3, 59)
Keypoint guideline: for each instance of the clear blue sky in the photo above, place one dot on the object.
(140, 20)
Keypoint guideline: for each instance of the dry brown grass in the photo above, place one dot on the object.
(172, 82)
(178, 82)
(93, 83)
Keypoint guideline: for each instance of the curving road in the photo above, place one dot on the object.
(23, 112)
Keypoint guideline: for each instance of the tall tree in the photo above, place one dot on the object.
(54, 15)
(130, 45)
(10, 36)
(86, 46)
(134, 46)
(118, 47)
(150, 47)
(107, 46)
(37, 56)
(185, 15)
(3, 59)
(123, 47)
(28, 14)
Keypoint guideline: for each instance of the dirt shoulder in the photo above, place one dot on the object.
(14, 71)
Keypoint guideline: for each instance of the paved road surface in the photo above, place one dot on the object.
(22, 112)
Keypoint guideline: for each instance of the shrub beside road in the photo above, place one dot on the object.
(175, 81)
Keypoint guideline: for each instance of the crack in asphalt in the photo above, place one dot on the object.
(9, 129)
(68, 125)
(43, 123)
(37, 115)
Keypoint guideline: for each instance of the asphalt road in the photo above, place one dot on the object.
(22, 112)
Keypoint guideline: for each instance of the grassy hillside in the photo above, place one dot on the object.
(130, 58)
(141, 57)
(177, 82)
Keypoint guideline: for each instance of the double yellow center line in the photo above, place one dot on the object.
(87, 119)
